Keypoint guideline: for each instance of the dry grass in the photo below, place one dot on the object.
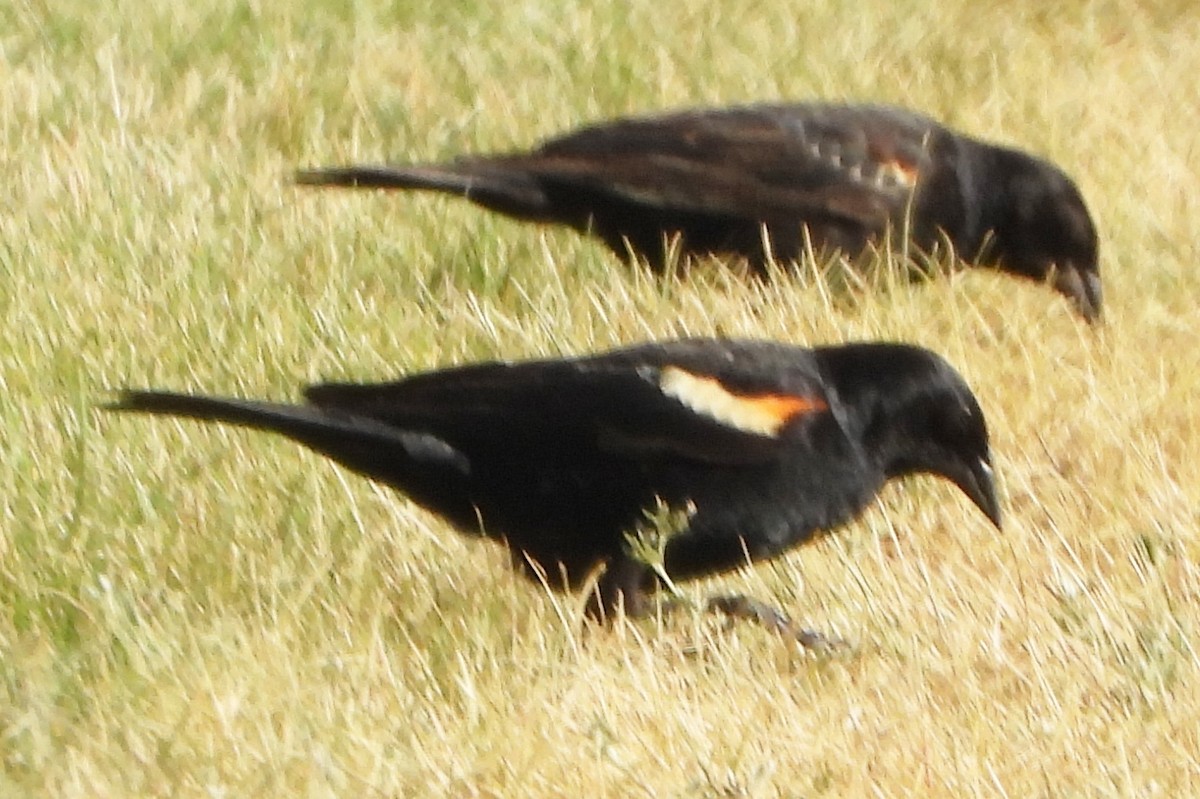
(187, 611)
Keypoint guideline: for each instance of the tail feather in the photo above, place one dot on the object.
(365, 445)
(509, 190)
(276, 417)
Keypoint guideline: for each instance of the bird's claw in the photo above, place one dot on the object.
(743, 607)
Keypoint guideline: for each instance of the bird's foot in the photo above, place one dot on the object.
(743, 607)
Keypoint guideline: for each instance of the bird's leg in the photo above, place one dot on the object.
(741, 606)
(621, 589)
(646, 549)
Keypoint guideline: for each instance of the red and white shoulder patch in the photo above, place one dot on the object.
(896, 173)
(762, 414)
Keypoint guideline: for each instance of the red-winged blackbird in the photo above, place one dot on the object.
(757, 446)
(842, 175)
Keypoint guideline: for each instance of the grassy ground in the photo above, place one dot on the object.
(189, 611)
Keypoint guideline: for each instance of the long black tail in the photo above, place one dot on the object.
(507, 189)
(412, 461)
(303, 423)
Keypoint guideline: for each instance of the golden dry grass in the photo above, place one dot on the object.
(188, 611)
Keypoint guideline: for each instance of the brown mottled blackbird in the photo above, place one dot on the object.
(842, 175)
(762, 445)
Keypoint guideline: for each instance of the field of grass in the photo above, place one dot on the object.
(193, 611)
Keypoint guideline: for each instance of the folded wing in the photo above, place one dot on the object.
(644, 403)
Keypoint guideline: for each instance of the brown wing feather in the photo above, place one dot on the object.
(767, 162)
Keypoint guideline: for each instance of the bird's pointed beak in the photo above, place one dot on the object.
(980, 485)
(1082, 287)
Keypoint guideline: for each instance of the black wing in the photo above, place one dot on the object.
(859, 163)
(781, 164)
(711, 401)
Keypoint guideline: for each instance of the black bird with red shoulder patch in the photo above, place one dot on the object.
(761, 445)
(843, 176)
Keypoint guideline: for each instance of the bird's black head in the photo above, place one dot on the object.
(917, 415)
(1043, 230)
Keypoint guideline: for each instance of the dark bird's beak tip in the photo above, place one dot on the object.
(991, 508)
(982, 491)
(1094, 297)
(1082, 287)
(988, 503)
(1089, 300)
